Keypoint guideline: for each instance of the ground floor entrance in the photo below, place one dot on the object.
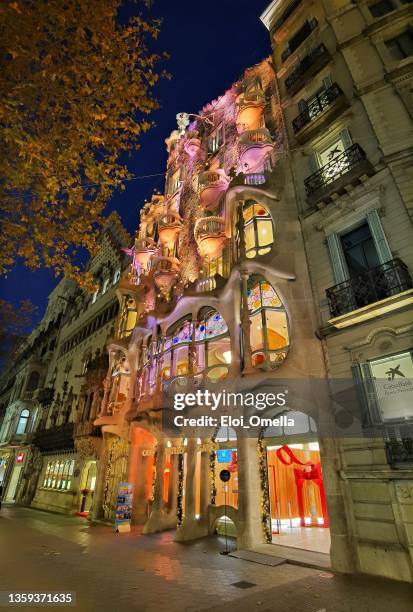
(299, 515)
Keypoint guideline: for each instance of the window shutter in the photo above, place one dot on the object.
(346, 138)
(380, 240)
(327, 81)
(338, 260)
(302, 105)
(373, 415)
(314, 163)
(356, 370)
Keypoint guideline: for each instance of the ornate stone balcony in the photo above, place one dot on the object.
(213, 183)
(165, 271)
(210, 235)
(342, 170)
(144, 249)
(384, 281)
(310, 65)
(249, 110)
(256, 145)
(323, 108)
(169, 227)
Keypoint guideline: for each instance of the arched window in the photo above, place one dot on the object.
(23, 420)
(212, 354)
(258, 227)
(269, 333)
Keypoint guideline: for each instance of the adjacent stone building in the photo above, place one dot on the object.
(344, 75)
(47, 437)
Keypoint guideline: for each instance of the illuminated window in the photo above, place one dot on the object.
(212, 348)
(116, 276)
(259, 233)
(58, 474)
(23, 421)
(269, 334)
(215, 140)
(105, 286)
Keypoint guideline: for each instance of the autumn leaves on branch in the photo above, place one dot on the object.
(76, 87)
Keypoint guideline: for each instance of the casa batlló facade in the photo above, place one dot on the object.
(219, 298)
(275, 266)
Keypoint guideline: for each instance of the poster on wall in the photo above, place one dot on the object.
(123, 514)
(393, 379)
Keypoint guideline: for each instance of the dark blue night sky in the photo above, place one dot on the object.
(210, 44)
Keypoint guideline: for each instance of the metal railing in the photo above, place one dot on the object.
(368, 287)
(209, 177)
(304, 65)
(209, 226)
(260, 135)
(169, 219)
(337, 167)
(322, 100)
(400, 451)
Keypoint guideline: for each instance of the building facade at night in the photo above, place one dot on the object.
(344, 73)
(277, 261)
(48, 443)
(219, 298)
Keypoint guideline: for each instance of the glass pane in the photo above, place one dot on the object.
(249, 236)
(265, 232)
(219, 352)
(277, 330)
(256, 332)
(181, 361)
(215, 326)
(269, 297)
(254, 298)
(166, 366)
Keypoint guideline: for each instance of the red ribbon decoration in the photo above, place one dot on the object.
(314, 474)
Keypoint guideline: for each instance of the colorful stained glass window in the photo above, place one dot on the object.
(269, 297)
(269, 332)
(215, 326)
(254, 297)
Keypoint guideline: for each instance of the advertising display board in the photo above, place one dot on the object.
(393, 379)
(123, 514)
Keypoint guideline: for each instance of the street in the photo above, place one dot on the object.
(41, 551)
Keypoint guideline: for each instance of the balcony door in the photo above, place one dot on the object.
(359, 251)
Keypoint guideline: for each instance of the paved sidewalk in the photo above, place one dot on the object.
(112, 572)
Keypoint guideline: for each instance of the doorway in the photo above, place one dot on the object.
(88, 484)
(299, 516)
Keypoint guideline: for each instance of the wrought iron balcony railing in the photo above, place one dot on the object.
(306, 66)
(340, 165)
(323, 99)
(371, 286)
(303, 33)
(400, 451)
